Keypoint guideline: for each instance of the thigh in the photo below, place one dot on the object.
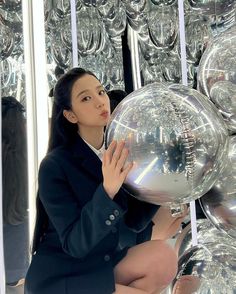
(153, 258)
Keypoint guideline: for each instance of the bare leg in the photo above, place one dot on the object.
(149, 267)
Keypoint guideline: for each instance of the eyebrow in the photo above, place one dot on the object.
(86, 90)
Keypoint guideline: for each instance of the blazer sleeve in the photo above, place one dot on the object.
(80, 229)
(139, 214)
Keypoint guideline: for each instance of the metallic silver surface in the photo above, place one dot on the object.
(211, 269)
(177, 141)
(207, 233)
(219, 204)
(223, 94)
(218, 62)
(163, 27)
(212, 7)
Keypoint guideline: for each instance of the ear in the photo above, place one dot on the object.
(70, 116)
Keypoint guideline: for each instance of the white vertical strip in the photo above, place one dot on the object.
(133, 38)
(185, 82)
(2, 267)
(30, 110)
(41, 82)
(36, 94)
(182, 43)
(74, 33)
(193, 223)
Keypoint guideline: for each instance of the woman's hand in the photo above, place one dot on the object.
(166, 226)
(113, 167)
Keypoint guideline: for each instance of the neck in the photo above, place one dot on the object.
(94, 137)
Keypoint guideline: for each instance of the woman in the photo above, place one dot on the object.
(90, 236)
(14, 192)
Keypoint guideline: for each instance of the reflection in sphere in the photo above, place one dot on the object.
(94, 3)
(11, 5)
(176, 138)
(223, 94)
(210, 267)
(163, 2)
(218, 62)
(219, 204)
(197, 35)
(6, 40)
(212, 7)
(206, 233)
(163, 27)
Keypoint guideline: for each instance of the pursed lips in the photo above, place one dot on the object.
(104, 113)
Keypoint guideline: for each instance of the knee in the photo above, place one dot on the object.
(165, 265)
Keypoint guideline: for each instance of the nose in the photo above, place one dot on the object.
(99, 102)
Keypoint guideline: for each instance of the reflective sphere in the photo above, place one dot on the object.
(176, 138)
(206, 233)
(6, 40)
(163, 2)
(212, 7)
(208, 269)
(223, 94)
(163, 27)
(218, 62)
(219, 204)
(11, 5)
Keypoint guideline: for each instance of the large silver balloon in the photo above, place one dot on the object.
(218, 62)
(207, 269)
(177, 141)
(163, 2)
(6, 39)
(206, 233)
(163, 27)
(197, 35)
(219, 204)
(11, 5)
(212, 7)
(223, 94)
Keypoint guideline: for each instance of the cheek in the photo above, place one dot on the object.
(108, 101)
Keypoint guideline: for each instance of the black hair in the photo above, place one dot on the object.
(14, 161)
(62, 133)
(59, 72)
(116, 96)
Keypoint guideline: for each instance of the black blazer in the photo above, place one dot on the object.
(88, 233)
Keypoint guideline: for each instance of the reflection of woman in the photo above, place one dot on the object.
(14, 163)
(90, 236)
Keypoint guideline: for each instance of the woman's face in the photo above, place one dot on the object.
(90, 103)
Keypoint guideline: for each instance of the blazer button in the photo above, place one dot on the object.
(116, 212)
(111, 217)
(108, 222)
(107, 257)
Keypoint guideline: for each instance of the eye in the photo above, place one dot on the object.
(102, 92)
(86, 98)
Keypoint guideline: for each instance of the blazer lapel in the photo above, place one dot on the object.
(88, 160)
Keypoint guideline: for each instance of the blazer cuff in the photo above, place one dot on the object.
(106, 204)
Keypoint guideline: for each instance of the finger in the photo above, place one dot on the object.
(123, 157)
(109, 152)
(117, 153)
(127, 170)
